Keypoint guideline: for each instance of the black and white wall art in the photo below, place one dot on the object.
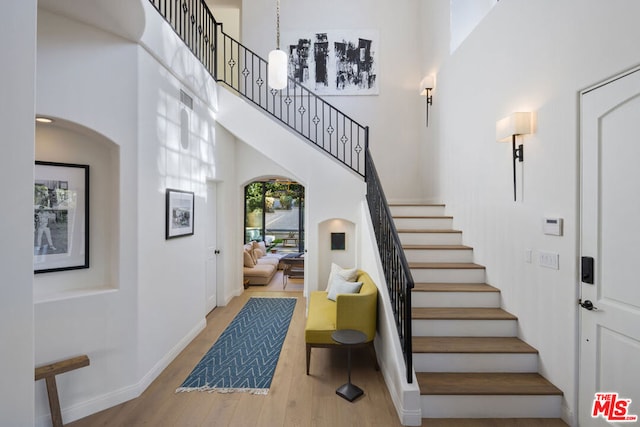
(179, 212)
(60, 217)
(337, 62)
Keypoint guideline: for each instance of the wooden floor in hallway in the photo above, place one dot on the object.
(294, 399)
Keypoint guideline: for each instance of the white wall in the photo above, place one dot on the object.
(143, 299)
(405, 395)
(464, 16)
(396, 115)
(88, 77)
(17, 85)
(332, 190)
(526, 56)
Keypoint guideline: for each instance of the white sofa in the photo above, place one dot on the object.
(259, 266)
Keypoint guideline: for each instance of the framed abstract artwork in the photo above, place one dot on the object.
(335, 62)
(179, 213)
(60, 217)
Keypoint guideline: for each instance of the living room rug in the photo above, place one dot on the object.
(245, 356)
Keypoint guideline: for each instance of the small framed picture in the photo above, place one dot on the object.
(60, 217)
(179, 213)
(338, 241)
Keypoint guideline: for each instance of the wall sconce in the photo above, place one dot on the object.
(507, 129)
(426, 86)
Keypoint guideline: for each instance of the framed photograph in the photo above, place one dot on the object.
(338, 241)
(60, 217)
(179, 211)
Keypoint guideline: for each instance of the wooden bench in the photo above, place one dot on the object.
(48, 373)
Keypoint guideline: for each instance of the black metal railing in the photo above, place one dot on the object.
(394, 263)
(194, 23)
(297, 107)
(242, 70)
(317, 121)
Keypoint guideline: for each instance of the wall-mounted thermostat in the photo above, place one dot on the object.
(552, 226)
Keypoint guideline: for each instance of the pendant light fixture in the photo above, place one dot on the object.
(277, 68)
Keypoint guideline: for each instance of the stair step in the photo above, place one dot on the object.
(447, 265)
(485, 383)
(488, 395)
(455, 295)
(471, 345)
(454, 287)
(473, 354)
(454, 313)
(423, 222)
(452, 272)
(461, 322)
(438, 253)
(496, 422)
(430, 237)
(416, 209)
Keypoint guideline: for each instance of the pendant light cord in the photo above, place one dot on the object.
(278, 24)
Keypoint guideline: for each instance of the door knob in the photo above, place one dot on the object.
(587, 304)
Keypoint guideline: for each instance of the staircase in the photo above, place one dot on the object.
(467, 357)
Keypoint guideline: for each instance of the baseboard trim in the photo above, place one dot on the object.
(400, 398)
(116, 397)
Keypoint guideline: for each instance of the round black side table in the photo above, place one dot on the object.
(349, 338)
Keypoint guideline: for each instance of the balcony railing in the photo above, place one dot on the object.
(311, 117)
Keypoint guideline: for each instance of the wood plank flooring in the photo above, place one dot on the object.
(295, 399)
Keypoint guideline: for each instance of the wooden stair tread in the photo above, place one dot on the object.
(447, 265)
(495, 422)
(474, 345)
(416, 204)
(433, 230)
(449, 313)
(436, 247)
(454, 287)
(439, 383)
(422, 217)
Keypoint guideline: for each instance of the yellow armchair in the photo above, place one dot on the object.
(349, 311)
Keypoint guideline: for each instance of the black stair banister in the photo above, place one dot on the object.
(295, 106)
(396, 268)
(320, 123)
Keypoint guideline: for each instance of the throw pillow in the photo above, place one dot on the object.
(257, 254)
(248, 260)
(348, 274)
(343, 287)
(257, 251)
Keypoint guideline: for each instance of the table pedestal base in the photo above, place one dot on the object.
(349, 391)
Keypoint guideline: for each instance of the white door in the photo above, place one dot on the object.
(610, 236)
(211, 240)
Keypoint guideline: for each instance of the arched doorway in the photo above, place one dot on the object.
(274, 214)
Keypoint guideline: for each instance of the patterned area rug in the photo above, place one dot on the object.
(245, 356)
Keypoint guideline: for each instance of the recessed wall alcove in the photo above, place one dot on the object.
(345, 258)
(66, 142)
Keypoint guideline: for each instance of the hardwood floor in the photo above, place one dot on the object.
(294, 399)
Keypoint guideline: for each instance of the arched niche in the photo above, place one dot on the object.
(333, 229)
(66, 142)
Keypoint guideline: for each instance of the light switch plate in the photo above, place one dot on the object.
(549, 260)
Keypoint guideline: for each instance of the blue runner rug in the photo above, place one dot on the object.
(245, 356)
